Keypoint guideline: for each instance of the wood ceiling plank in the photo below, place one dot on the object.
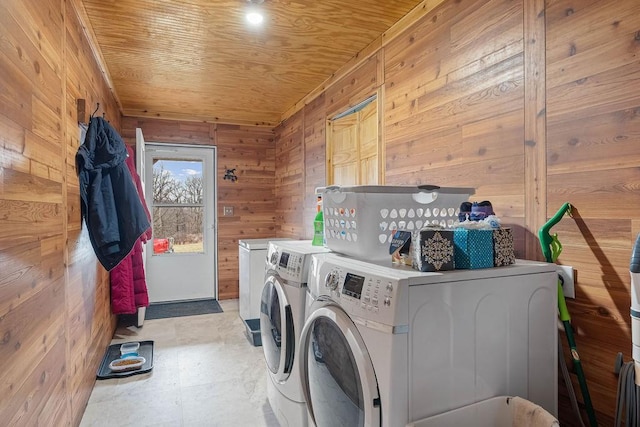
(172, 58)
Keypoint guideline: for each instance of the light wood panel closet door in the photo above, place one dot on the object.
(369, 144)
(353, 147)
(343, 158)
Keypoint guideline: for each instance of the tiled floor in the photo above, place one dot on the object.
(206, 373)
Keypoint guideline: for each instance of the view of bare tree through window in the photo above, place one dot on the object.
(178, 210)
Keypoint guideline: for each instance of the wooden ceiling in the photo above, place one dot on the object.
(200, 60)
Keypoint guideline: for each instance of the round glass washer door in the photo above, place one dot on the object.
(276, 329)
(337, 375)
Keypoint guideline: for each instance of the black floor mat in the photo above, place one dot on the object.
(180, 309)
(113, 353)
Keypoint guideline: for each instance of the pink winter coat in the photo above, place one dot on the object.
(128, 283)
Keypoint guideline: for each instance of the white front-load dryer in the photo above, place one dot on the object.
(385, 346)
(282, 312)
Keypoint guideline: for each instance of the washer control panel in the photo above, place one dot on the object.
(365, 295)
(289, 265)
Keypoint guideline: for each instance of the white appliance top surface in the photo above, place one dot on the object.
(302, 247)
(290, 259)
(415, 277)
(375, 295)
(258, 243)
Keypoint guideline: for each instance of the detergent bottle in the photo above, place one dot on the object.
(318, 225)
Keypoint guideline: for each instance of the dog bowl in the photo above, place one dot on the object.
(127, 363)
(129, 349)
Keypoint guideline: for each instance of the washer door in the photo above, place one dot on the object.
(276, 328)
(338, 379)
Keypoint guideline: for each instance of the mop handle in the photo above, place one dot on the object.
(551, 249)
(582, 380)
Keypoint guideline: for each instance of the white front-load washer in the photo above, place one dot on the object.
(282, 312)
(385, 346)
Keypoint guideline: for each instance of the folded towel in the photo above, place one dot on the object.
(528, 414)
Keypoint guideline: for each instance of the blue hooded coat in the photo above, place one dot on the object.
(111, 207)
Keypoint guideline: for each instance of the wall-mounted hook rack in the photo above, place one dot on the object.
(95, 111)
(81, 105)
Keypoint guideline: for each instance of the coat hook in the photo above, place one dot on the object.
(96, 110)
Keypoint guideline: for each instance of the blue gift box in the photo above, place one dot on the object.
(473, 248)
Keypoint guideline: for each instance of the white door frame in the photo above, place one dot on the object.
(210, 226)
(140, 168)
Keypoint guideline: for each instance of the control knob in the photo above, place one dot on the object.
(274, 258)
(331, 280)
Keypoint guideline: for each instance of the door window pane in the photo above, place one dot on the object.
(178, 211)
(178, 229)
(177, 181)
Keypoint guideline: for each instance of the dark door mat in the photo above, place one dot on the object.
(180, 309)
(113, 353)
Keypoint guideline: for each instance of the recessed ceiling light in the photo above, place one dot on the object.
(255, 18)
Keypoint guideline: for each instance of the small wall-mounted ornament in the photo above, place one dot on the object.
(230, 174)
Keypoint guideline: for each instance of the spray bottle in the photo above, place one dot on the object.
(318, 225)
(634, 268)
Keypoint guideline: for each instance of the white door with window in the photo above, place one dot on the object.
(180, 190)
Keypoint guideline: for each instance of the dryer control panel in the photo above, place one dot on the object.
(290, 259)
(364, 295)
(289, 265)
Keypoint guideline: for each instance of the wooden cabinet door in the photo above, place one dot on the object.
(343, 154)
(353, 148)
(369, 146)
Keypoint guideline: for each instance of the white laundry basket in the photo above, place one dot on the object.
(501, 411)
(359, 221)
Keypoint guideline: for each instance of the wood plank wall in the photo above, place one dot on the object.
(301, 167)
(55, 316)
(315, 168)
(290, 184)
(463, 64)
(532, 103)
(251, 151)
(454, 104)
(593, 134)
(363, 82)
(91, 324)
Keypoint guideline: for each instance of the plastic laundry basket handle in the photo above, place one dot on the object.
(429, 187)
